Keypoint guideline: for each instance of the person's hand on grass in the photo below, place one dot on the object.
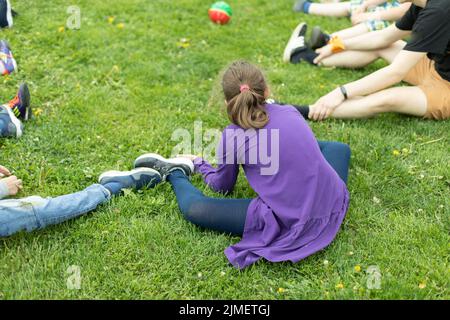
(13, 185)
(323, 52)
(325, 106)
(4, 172)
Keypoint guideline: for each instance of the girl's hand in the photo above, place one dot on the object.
(4, 172)
(13, 184)
(323, 52)
(325, 106)
(188, 156)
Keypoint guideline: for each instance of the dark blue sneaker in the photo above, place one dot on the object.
(10, 126)
(6, 15)
(6, 58)
(318, 38)
(134, 179)
(20, 104)
(164, 166)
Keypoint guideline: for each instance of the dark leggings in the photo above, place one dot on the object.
(228, 215)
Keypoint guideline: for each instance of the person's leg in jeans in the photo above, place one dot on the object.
(36, 213)
(223, 215)
(338, 156)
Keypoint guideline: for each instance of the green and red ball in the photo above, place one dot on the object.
(220, 12)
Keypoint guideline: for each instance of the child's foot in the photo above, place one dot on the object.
(6, 19)
(20, 104)
(134, 179)
(318, 38)
(164, 166)
(10, 126)
(306, 54)
(296, 42)
(8, 64)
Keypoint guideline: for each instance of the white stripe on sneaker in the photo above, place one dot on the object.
(15, 121)
(9, 17)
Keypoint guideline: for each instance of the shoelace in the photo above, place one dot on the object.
(15, 101)
(300, 41)
(13, 104)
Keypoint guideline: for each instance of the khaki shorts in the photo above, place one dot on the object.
(436, 89)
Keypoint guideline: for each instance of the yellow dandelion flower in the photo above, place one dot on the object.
(61, 29)
(422, 285)
(37, 112)
(121, 25)
(396, 153)
(184, 43)
(281, 290)
(340, 285)
(111, 20)
(357, 268)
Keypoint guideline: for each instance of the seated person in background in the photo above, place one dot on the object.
(362, 23)
(369, 15)
(423, 62)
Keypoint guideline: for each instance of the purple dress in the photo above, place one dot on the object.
(301, 200)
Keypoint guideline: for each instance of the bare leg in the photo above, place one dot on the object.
(351, 32)
(406, 100)
(341, 9)
(358, 59)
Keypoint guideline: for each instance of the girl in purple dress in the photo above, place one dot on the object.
(300, 182)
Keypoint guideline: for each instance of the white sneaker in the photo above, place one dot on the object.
(297, 41)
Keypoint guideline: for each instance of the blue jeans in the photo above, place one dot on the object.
(37, 213)
(229, 215)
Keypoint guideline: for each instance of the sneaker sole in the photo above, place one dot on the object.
(9, 17)
(136, 175)
(287, 50)
(24, 95)
(15, 121)
(160, 158)
(315, 36)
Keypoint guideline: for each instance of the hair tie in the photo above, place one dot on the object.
(244, 87)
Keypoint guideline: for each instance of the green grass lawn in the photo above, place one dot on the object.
(109, 94)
